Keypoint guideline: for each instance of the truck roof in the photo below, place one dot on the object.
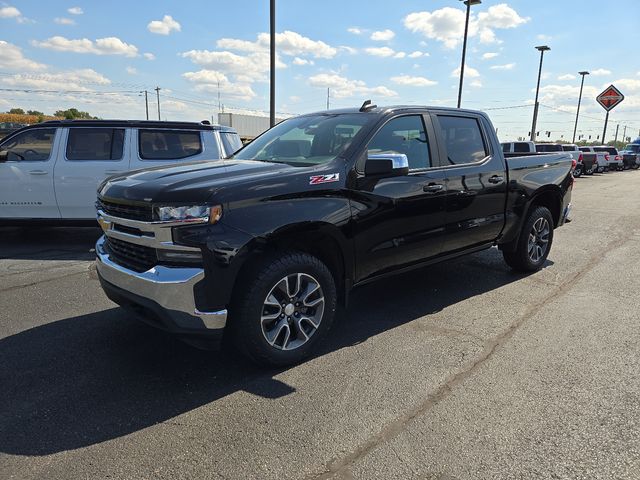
(390, 109)
(132, 124)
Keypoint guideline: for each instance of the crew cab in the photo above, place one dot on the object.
(518, 147)
(259, 249)
(614, 159)
(49, 171)
(601, 159)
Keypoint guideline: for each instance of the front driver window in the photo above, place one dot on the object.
(30, 146)
(403, 135)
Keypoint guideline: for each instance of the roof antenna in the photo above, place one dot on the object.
(367, 105)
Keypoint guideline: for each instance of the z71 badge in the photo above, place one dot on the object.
(318, 179)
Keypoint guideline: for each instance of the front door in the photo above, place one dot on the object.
(91, 155)
(399, 221)
(26, 174)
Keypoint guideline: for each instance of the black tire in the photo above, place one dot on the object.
(249, 306)
(578, 171)
(590, 171)
(520, 258)
(635, 167)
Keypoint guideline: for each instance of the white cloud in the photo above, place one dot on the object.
(349, 50)
(102, 46)
(209, 81)
(382, 35)
(417, 54)
(164, 26)
(149, 56)
(75, 11)
(413, 81)
(302, 61)
(9, 12)
(287, 43)
(295, 98)
(447, 24)
(342, 87)
(380, 51)
(355, 30)
(131, 71)
(400, 55)
(469, 72)
(476, 84)
(600, 72)
(11, 58)
(506, 66)
(489, 55)
(567, 76)
(245, 68)
(64, 21)
(65, 80)
(543, 37)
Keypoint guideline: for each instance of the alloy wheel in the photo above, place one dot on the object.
(538, 239)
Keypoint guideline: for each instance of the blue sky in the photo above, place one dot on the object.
(97, 56)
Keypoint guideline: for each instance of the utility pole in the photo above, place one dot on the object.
(615, 140)
(146, 102)
(541, 49)
(468, 3)
(157, 89)
(327, 98)
(219, 108)
(272, 63)
(579, 99)
(624, 134)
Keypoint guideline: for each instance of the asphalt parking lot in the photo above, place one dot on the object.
(463, 370)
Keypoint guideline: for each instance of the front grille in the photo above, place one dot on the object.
(134, 257)
(132, 212)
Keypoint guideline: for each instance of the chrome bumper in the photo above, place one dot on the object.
(170, 288)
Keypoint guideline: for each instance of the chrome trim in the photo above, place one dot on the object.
(567, 213)
(399, 160)
(162, 235)
(171, 288)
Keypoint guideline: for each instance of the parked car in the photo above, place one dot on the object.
(631, 155)
(49, 171)
(518, 147)
(615, 159)
(262, 246)
(602, 159)
(576, 154)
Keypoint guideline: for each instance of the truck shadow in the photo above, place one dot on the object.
(92, 378)
(48, 243)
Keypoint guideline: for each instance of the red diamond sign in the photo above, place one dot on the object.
(610, 98)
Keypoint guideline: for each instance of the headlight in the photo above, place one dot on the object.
(189, 213)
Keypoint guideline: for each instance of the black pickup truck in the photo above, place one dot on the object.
(259, 249)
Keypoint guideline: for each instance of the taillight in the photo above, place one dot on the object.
(618, 158)
(580, 158)
(606, 157)
(573, 164)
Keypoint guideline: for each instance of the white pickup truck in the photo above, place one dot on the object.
(602, 159)
(50, 171)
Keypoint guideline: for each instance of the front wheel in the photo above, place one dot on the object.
(284, 308)
(534, 243)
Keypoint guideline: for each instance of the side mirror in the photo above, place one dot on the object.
(387, 164)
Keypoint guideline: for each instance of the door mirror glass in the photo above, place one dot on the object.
(387, 164)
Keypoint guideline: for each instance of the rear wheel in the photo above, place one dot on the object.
(534, 244)
(578, 171)
(284, 309)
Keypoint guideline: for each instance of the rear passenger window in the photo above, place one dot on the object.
(95, 143)
(168, 144)
(403, 135)
(506, 147)
(521, 147)
(463, 139)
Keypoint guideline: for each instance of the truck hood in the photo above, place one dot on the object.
(193, 182)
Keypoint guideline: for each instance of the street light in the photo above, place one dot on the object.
(468, 3)
(578, 111)
(272, 63)
(542, 49)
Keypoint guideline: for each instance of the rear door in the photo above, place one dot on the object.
(476, 183)
(26, 176)
(90, 155)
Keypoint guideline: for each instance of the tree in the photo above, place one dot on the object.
(34, 112)
(17, 111)
(73, 113)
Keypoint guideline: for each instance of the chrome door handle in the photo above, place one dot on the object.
(433, 188)
(496, 179)
(38, 172)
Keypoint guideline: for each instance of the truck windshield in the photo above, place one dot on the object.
(307, 140)
(633, 147)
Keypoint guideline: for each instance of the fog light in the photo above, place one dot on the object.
(178, 256)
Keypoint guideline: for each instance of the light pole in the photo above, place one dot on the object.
(579, 99)
(468, 3)
(272, 63)
(542, 49)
